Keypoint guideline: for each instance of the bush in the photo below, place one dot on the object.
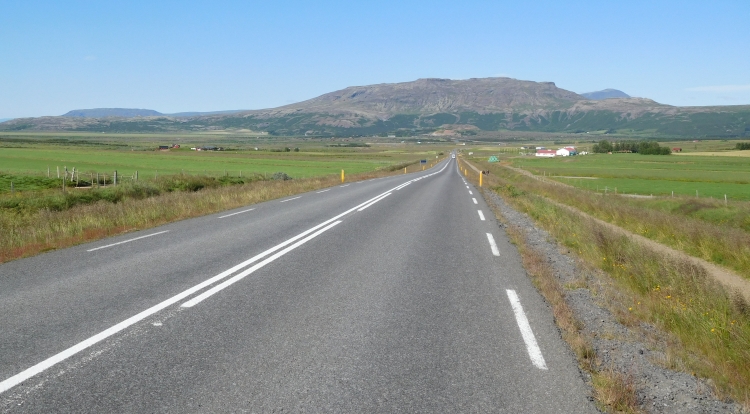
(281, 176)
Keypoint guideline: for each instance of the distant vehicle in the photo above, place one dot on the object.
(453, 155)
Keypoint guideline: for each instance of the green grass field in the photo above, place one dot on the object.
(649, 174)
(27, 164)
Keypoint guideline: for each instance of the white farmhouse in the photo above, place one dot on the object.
(567, 151)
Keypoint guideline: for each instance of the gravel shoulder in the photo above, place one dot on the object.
(637, 352)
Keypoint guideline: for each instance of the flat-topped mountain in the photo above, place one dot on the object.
(425, 96)
(108, 112)
(435, 106)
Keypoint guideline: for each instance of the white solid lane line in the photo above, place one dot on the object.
(239, 212)
(474, 200)
(126, 241)
(493, 245)
(327, 189)
(481, 215)
(289, 199)
(218, 288)
(528, 336)
(364, 207)
(57, 358)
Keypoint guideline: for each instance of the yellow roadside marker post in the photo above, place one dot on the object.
(342, 176)
(480, 178)
(404, 170)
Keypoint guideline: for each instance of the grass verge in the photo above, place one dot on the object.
(612, 390)
(716, 243)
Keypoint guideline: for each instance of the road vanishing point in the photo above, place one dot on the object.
(399, 294)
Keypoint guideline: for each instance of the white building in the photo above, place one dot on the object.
(565, 152)
(545, 153)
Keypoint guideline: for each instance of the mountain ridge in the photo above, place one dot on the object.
(437, 106)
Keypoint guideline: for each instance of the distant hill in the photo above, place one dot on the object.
(5, 119)
(439, 107)
(605, 94)
(132, 112)
(109, 112)
(186, 114)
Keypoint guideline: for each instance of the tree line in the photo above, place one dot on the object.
(640, 147)
(743, 145)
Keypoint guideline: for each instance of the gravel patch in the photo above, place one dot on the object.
(620, 348)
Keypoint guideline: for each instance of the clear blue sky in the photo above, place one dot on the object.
(204, 56)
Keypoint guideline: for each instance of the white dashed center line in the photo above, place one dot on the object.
(474, 200)
(289, 199)
(481, 215)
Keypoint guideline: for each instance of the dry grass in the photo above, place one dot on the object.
(616, 391)
(721, 245)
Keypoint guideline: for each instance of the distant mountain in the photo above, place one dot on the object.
(186, 114)
(132, 113)
(109, 112)
(439, 107)
(5, 119)
(605, 94)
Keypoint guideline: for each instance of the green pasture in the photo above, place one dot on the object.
(35, 161)
(648, 174)
(27, 165)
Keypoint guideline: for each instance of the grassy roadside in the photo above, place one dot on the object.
(717, 243)
(612, 390)
(32, 224)
(708, 328)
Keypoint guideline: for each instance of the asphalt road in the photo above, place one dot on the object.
(322, 302)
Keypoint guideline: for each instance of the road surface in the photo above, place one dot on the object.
(398, 294)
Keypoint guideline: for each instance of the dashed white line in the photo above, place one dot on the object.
(474, 200)
(239, 212)
(289, 199)
(345, 185)
(323, 191)
(528, 336)
(481, 215)
(470, 192)
(126, 241)
(493, 245)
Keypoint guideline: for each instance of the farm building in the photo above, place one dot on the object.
(545, 153)
(567, 151)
